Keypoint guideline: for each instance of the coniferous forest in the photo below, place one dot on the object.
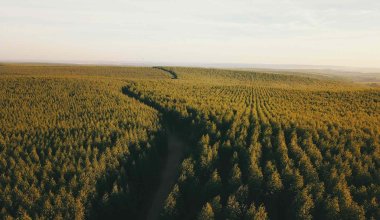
(91, 142)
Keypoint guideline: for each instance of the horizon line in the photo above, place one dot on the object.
(273, 66)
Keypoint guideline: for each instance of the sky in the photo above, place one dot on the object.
(304, 32)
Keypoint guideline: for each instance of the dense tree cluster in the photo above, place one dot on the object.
(272, 146)
(74, 146)
(66, 71)
(264, 145)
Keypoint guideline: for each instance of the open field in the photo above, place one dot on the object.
(91, 142)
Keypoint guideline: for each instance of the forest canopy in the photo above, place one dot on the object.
(89, 142)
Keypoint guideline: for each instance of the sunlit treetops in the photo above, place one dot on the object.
(297, 147)
(263, 145)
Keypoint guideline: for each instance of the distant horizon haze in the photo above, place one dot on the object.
(354, 69)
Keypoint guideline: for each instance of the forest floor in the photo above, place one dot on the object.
(169, 174)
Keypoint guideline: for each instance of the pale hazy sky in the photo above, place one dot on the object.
(317, 32)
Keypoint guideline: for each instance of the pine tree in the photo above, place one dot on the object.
(206, 213)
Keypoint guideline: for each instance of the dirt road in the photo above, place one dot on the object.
(176, 150)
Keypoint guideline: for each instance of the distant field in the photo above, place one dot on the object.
(90, 142)
(369, 77)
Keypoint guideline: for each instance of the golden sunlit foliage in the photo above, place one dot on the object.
(286, 145)
(277, 146)
(69, 144)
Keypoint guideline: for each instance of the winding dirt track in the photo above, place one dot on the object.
(176, 151)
